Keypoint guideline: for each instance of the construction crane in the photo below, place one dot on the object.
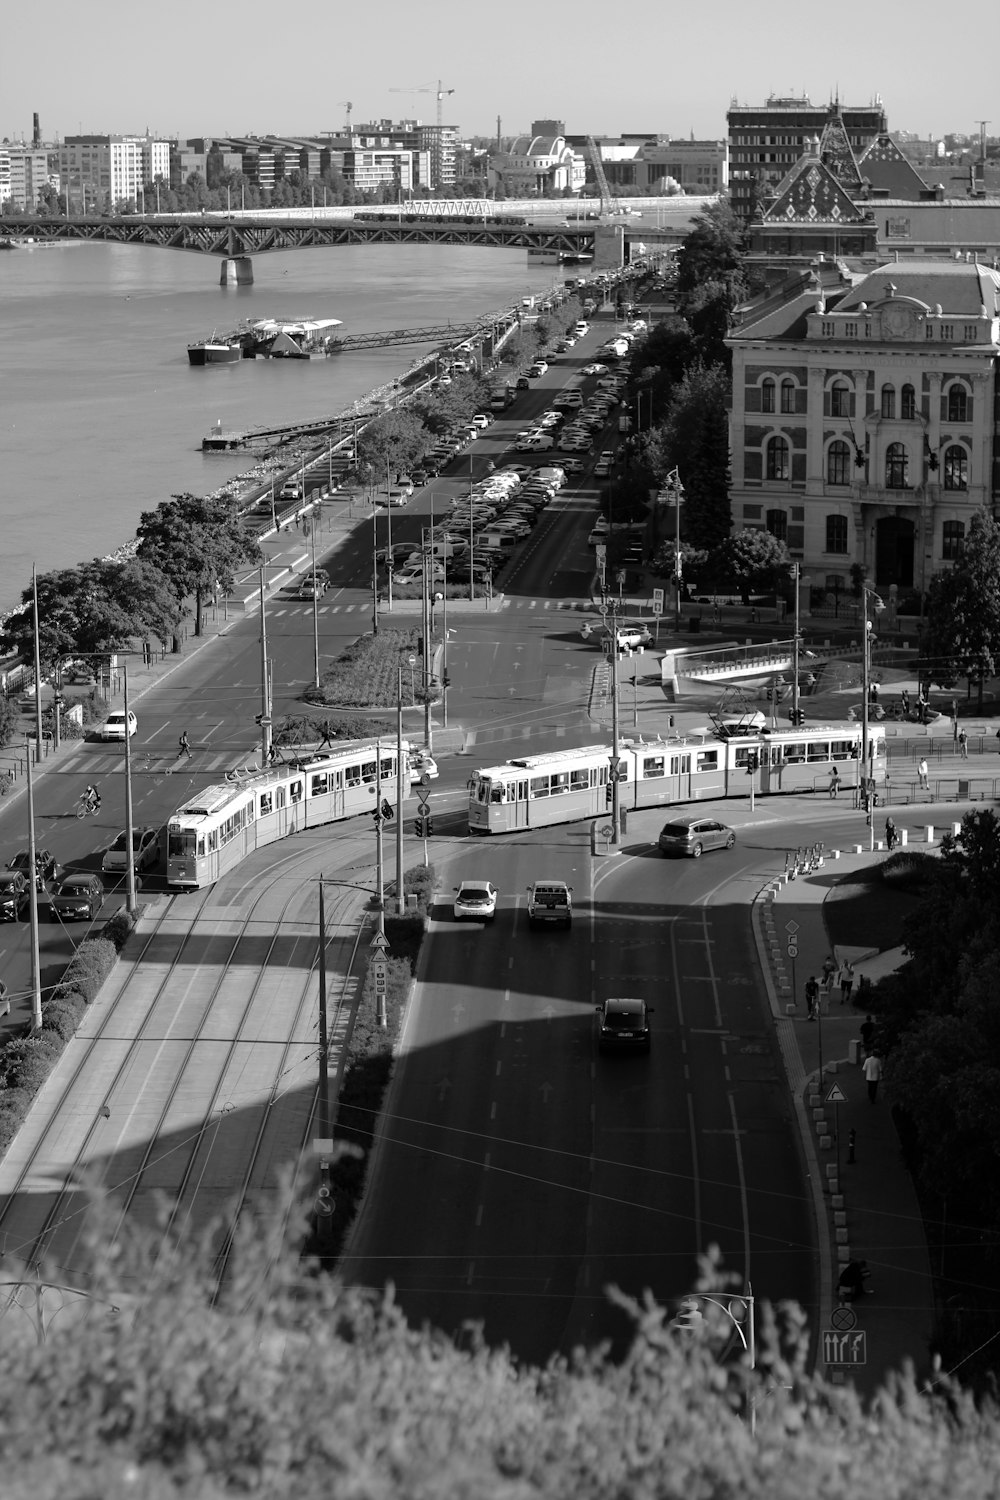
(348, 106)
(604, 191)
(437, 155)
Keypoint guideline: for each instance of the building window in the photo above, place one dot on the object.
(956, 468)
(928, 330)
(958, 404)
(836, 533)
(767, 395)
(840, 400)
(752, 512)
(888, 401)
(952, 534)
(838, 464)
(896, 466)
(777, 524)
(777, 459)
(908, 404)
(788, 396)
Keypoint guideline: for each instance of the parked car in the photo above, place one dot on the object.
(691, 836)
(46, 867)
(78, 897)
(475, 899)
(113, 727)
(145, 851)
(14, 894)
(604, 464)
(624, 1025)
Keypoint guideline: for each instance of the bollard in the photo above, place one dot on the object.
(929, 833)
(904, 837)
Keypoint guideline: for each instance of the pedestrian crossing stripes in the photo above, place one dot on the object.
(550, 606)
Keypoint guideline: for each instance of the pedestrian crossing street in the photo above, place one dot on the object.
(198, 763)
(364, 607)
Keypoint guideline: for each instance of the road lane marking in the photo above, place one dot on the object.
(493, 1110)
(499, 1066)
(479, 1216)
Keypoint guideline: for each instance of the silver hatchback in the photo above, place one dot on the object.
(692, 836)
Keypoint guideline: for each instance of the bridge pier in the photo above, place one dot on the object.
(237, 270)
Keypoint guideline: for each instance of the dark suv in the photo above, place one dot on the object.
(550, 904)
(693, 835)
(624, 1025)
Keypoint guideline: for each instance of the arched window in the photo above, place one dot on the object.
(958, 404)
(908, 403)
(956, 468)
(777, 524)
(777, 458)
(838, 464)
(840, 399)
(767, 395)
(952, 536)
(836, 533)
(888, 401)
(896, 467)
(788, 396)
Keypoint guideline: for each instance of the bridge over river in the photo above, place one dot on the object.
(236, 238)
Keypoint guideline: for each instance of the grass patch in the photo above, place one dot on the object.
(367, 674)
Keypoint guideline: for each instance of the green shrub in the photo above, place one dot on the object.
(90, 966)
(63, 1014)
(14, 1105)
(27, 1061)
(909, 868)
(118, 928)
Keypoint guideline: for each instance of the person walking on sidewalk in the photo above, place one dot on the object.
(891, 836)
(963, 744)
(327, 735)
(922, 769)
(867, 1030)
(834, 782)
(812, 997)
(873, 1075)
(846, 981)
(183, 745)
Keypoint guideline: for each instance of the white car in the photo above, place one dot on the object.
(145, 851)
(424, 766)
(113, 727)
(595, 369)
(475, 900)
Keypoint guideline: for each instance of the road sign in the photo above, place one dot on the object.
(836, 1095)
(793, 950)
(657, 601)
(380, 970)
(412, 661)
(379, 942)
(791, 928)
(850, 1348)
(844, 1318)
(602, 556)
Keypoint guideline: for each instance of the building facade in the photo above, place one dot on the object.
(765, 141)
(98, 171)
(24, 172)
(864, 422)
(538, 166)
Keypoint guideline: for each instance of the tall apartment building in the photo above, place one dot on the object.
(766, 140)
(24, 171)
(95, 170)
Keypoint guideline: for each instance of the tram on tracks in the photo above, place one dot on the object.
(565, 785)
(220, 825)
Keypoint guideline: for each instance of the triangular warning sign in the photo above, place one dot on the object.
(836, 1095)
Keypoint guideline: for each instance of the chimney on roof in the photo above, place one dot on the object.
(36, 130)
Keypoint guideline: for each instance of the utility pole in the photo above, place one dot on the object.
(324, 1142)
(36, 973)
(265, 682)
(400, 896)
(796, 646)
(316, 681)
(131, 902)
(38, 671)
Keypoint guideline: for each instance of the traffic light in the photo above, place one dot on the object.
(753, 762)
(418, 827)
(387, 811)
(797, 716)
(428, 826)
(609, 794)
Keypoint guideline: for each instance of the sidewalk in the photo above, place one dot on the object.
(865, 1209)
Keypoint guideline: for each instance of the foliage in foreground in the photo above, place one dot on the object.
(289, 1384)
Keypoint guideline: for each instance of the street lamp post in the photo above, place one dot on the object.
(316, 682)
(740, 1312)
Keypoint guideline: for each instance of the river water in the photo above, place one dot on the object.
(101, 416)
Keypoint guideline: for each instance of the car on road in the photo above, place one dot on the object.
(573, 465)
(145, 851)
(624, 1025)
(692, 836)
(595, 368)
(550, 904)
(14, 894)
(113, 727)
(483, 419)
(424, 765)
(78, 897)
(46, 867)
(475, 900)
(604, 464)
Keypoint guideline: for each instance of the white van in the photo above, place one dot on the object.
(581, 329)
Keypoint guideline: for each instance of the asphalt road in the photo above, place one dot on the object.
(520, 1174)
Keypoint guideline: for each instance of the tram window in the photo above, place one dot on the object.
(180, 843)
(819, 750)
(280, 796)
(680, 765)
(522, 791)
(740, 758)
(579, 780)
(368, 771)
(337, 780)
(653, 765)
(212, 840)
(538, 786)
(201, 848)
(266, 803)
(496, 791)
(560, 782)
(295, 791)
(352, 775)
(708, 760)
(319, 785)
(249, 812)
(388, 769)
(794, 752)
(841, 750)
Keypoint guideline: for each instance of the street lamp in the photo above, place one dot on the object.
(865, 780)
(740, 1312)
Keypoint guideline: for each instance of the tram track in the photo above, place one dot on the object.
(51, 1213)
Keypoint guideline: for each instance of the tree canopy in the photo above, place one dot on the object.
(751, 560)
(711, 254)
(962, 633)
(396, 441)
(92, 609)
(694, 438)
(196, 545)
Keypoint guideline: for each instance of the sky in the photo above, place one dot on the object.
(208, 67)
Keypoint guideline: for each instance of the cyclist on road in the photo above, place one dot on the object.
(92, 797)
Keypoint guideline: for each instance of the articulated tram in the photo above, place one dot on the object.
(569, 784)
(220, 825)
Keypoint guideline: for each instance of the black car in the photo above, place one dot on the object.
(624, 1025)
(14, 894)
(78, 897)
(46, 867)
